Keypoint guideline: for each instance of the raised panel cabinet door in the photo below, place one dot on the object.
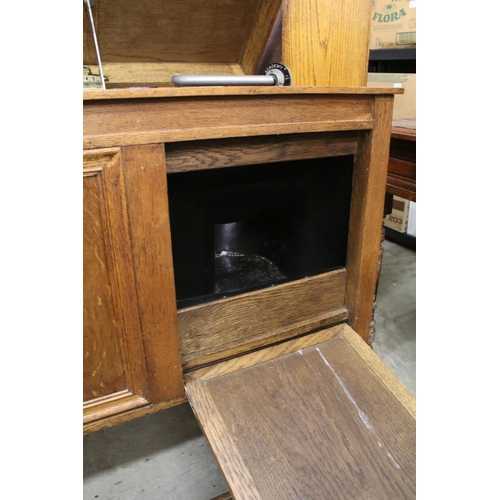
(128, 363)
(114, 377)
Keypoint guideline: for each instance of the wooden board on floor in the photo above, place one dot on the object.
(316, 417)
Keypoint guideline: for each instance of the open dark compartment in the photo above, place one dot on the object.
(243, 228)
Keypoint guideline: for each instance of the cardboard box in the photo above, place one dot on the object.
(398, 218)
(394, 24)
(405, 105)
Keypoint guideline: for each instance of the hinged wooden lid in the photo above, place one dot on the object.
(147, 42)
(317, 417)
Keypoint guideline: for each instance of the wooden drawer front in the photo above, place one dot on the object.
(317, 417)
(115, 377)
(223, 328)
(403, 168)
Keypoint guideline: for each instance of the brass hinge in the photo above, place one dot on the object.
(91, 81)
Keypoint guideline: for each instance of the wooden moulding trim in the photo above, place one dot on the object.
(95, 161)
(201, 155)
(107, 406)
(159, 136)
(96, 94)
(400, 392)
(223, 328)
(131, 414)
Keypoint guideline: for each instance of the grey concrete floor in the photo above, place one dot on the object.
(395, 313)
(165, 455)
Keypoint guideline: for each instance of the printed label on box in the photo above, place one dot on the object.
(398, 218)
(394, 25)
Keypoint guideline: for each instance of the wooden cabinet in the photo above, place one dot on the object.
(131, 355)
(132, 327)
(139, 347)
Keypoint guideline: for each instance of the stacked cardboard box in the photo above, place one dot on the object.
(398, 218)
(405, 105)
(394, 24)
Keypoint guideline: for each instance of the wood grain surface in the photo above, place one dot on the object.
(226, 327)
(177, 30)
(144, 121)
(154, 73)
(407, 134)
(89, 52)
(99, 95)
(201, 155)
(402, 173)
(315, 423)
(273, 51)
(265, 16)
(146, 186)
(400, 392)
(367, 206)
(401, 179)
(327, 43)
(407, 124)
(114, 404)
(125, 416)
(114, 360)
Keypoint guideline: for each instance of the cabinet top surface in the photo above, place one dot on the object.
(141, 93)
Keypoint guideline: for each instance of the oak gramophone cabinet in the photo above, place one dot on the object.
(232, 242)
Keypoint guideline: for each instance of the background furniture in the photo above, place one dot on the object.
(402, 174)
